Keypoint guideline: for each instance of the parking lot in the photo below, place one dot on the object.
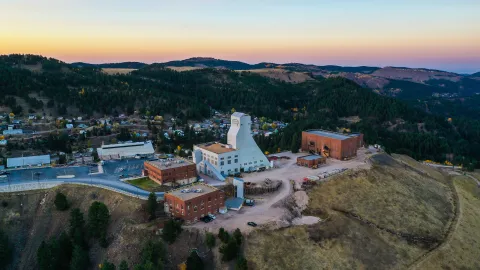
(112, 170)
(124, 168)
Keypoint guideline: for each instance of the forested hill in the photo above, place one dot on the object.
(131, 65)
(191, 94)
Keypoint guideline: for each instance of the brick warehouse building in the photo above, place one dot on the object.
(331, 144)
(311, 160)
(194, 202)
(173, 170)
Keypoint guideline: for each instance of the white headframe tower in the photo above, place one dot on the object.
(241, 153)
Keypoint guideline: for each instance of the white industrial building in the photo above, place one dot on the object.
(240, 154)
(125, 150)
(12, 132)
(28, 161)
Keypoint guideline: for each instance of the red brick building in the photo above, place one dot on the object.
(194, 202)
(167, 172)
(331, 144)
(311, 160)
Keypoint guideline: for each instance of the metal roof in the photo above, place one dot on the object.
(126, 149)
(238, 114)
(188, 192)
(234, 203)
(28, 161)
(329, 134)
(311, 157)
(169, 163)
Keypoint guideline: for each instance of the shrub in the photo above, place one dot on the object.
(229, 250)
(241, 264)
(171, 230)
(210, 240)
(61, 202)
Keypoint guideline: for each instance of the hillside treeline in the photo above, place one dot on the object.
(155, 89)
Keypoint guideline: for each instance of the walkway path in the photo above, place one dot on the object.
(106, 183)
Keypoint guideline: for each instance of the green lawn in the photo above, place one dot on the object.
(145, 183)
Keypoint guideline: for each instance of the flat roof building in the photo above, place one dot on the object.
(171, 171)
(125, 150)
(28, 161)
(311, 161)
(331, 144)
(240, 153)
(193, 202)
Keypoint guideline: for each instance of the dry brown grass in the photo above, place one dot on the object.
(113, 71)
(391, 196)
(282, 74)
(180, 69)
(463, 248)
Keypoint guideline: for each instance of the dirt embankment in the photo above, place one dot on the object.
(31, 217)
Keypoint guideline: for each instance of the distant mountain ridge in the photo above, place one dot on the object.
(132, 65)
(402, 82)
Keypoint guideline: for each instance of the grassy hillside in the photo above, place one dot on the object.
(461, 251)
(383, 218)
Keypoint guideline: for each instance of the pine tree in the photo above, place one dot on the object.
(210, 240)
(194, 262)
(98, 219)
(61, 202)
(237, 235)
(123, 265)
(5, 251)
(152, 204)
(79, 259)
(294, 146)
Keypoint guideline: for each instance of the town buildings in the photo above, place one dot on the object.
(193, 202)
(241, 153)
(331, 144)
(171, 171)
(125, 150)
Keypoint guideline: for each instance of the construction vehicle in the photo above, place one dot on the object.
(249, 202)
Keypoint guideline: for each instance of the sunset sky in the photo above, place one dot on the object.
(437, 34)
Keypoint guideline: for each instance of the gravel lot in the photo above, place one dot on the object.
(268, 207)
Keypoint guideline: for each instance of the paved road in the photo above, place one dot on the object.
(25, 179)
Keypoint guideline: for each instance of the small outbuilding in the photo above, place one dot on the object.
(311, 161)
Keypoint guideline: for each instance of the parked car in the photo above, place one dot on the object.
(206, 219)
(251, 223)
(212, 216)
(179, 220)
